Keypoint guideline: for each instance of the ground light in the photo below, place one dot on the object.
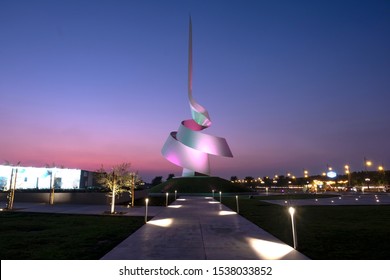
(166, 199)
(292, 212)
(238, 208)
(146, 209)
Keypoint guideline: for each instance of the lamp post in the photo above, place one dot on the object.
(348, 172)
(292, 212)
(381, 169)
(146, 209)
(366, 164)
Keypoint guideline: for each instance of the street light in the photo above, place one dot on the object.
(146, 210)
(366, 164)
(292, 212)
(348, 172)
(381, 169)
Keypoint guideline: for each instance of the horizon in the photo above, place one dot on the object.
(290, 86)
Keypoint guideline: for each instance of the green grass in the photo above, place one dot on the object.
(198, 185)
(325, 232)
(61, 237)
(289, 196)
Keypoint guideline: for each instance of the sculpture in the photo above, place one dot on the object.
(189, 147)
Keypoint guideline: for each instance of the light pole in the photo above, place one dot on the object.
(348, 172)
(381, 169)
(146, 210)
(366, 164)
(292, 212)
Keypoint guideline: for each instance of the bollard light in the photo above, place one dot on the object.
(220, 197)
(175, 194)
(213, 193)
(238, 208)
(166, 199)
(292, 212)
(146, 210)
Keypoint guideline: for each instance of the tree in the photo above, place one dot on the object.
(51, 171)
(12, 185)
(117, 179)
(135, 180)
(233, 178)
(170, 176)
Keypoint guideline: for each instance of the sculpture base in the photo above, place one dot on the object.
(191, 173)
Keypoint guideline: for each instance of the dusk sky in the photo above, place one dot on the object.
(291, 85)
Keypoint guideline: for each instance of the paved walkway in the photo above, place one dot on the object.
(201, 228)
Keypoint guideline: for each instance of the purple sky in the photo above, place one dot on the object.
(291, 85)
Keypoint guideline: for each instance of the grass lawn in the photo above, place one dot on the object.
(325, 232)
(289, 196)
(60, 236)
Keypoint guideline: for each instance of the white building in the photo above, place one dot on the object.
(43, 178)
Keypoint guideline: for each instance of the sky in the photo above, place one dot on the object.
(291, 85)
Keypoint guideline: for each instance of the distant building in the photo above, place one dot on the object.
(42, 178)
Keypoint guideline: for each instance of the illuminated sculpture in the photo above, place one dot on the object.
(189, 147)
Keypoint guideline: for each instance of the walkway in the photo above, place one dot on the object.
(198, 228)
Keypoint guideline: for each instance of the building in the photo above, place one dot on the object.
(40, 178)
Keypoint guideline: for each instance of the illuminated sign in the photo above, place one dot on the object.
(331, 174)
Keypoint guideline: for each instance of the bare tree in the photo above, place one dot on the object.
(12, 185)
(52, 173)
(135, 181)
(117, 179)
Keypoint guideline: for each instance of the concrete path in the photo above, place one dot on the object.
(201, 228)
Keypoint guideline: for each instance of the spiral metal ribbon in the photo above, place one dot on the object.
(189, 147)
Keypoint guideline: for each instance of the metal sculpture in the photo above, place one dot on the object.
(189, 147)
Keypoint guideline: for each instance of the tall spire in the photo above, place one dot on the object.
(199, 113)
(190, 60)
(188, 147)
